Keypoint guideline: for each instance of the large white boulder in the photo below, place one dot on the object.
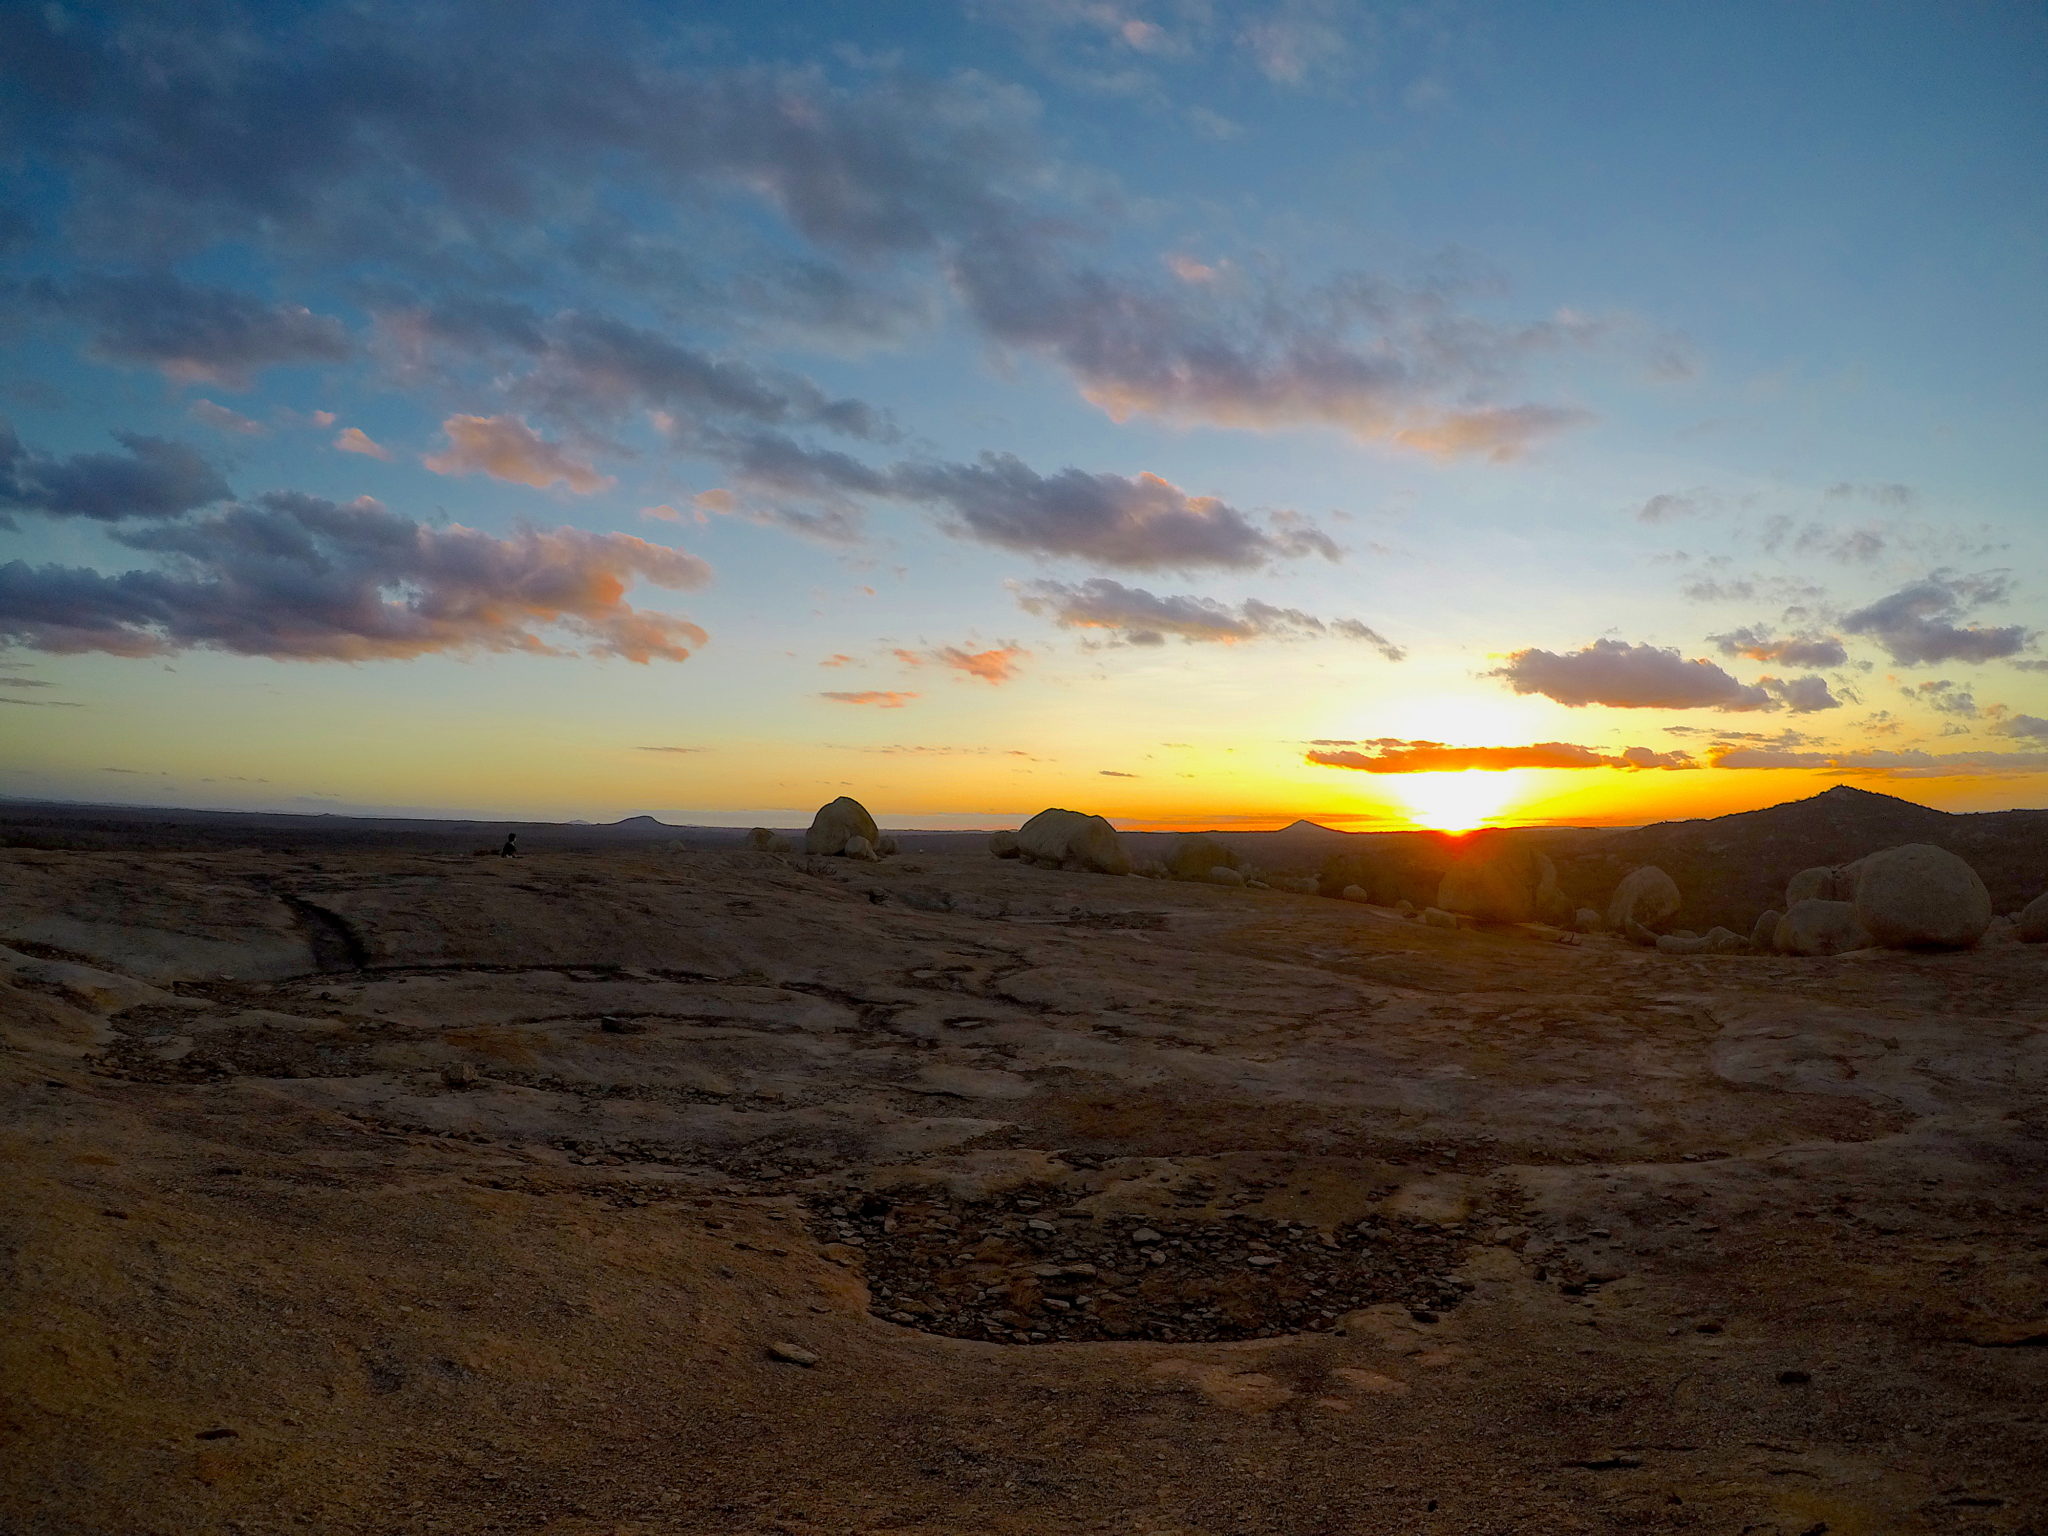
(1820, 928)
(837, 822)
(1646, 897)
(1073, 840)
(2031, 926)
(1918, 896)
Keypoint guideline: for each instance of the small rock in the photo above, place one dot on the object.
(1794, 1378)
(792, 1354)
(1145, 1236)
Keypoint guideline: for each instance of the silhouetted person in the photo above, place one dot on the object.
(511, 848)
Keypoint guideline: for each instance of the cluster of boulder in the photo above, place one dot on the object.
(842, 829)
(1915, 896)
(1061, 839)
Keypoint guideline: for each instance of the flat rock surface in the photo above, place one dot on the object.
(603, 1194)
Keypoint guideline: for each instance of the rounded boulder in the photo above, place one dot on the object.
(1918, 896)
(2031, 926)
(1820, 928)
(1073, 840)
(1646, 897)
(836, 824)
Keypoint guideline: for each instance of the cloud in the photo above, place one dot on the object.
(1669, 506)
(23, 682)
(1391, 755)
(837, 659)
(150, 478)
(298, 578)
(1888, 493)
(992, 666)
(356, 440)
(1902, 765)
(1945, 697)
(878, 697)
(1112, 773)
(1625, 676)
(1502, 434)
(683, 750)
(505, 448)
(221, 419)
(1139, 522)
(2032, 727)
(1917, 626)
(45, 703)
(1804, 650)
(1134, 616)
(1802, 695)
(189, 332)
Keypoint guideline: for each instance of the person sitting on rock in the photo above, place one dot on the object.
(511, 848)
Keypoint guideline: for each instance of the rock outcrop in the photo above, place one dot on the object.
(1500, 883)
(1073, 840)
(1193, 857)
(1223, 874)
(860, 848)
(836, 823)
(1815, 884)
(1918, 896)
(1763, 934)
(1586, 920)
(1647, 898)
(1003, 844)
(1726, 941)
(2031, 926)
(761, 840)
(1815, 927)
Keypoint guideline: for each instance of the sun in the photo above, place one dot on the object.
(1454, 802)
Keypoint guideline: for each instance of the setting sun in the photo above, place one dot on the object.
(1454, 802)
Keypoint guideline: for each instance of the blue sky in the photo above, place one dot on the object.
(1188, 411)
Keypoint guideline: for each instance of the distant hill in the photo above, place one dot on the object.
(1730, 868)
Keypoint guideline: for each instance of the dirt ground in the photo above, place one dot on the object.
(637, 1193)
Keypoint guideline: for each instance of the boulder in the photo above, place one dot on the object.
(2031, 926)
(1815, 927)
(1816, 884)
(1342, 870)
(1193, 857)
(844, 818)
(1918, 896)
(860, 848)
(1073, 840)
(761, 840)
(1223, 874)
(1497, 882)
(885, 845)
(1646, 897)
(1552, 905)
(1355, 893)
(1405, 907)
(1150, 869)
(1300, 885)
(1586, 920)
(1763, 933)
(1003, 844)
(1726, 941)
(1436, 917)
(1681, 944)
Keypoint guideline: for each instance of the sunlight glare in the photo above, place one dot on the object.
(1454, 802)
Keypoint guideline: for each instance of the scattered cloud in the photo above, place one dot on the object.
(1944, 697)
(1803, 650)
(1392, 755)
(356, 440)
(1917, 625)
(879, 698)
(998, 665)
(150, 478)
(505, 448)
(680, 750)
(212, 414)
(299, 578)
(838, 659)
(1112, 773)
(1909, 764)
(1887, 493)
(2032, 727)
(1620, 675)
(189, 332)
(1134, 616)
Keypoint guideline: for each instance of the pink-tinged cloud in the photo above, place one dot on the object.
(1502, 434)
(837, 659)
(299, 578)
(991, 666)
(221, 419)
(878, 698)
(1391, 755)
(356, 440)
(322, 419)
(506, 448)
(662, 514)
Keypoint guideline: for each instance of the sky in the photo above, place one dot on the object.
(1196, 413)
